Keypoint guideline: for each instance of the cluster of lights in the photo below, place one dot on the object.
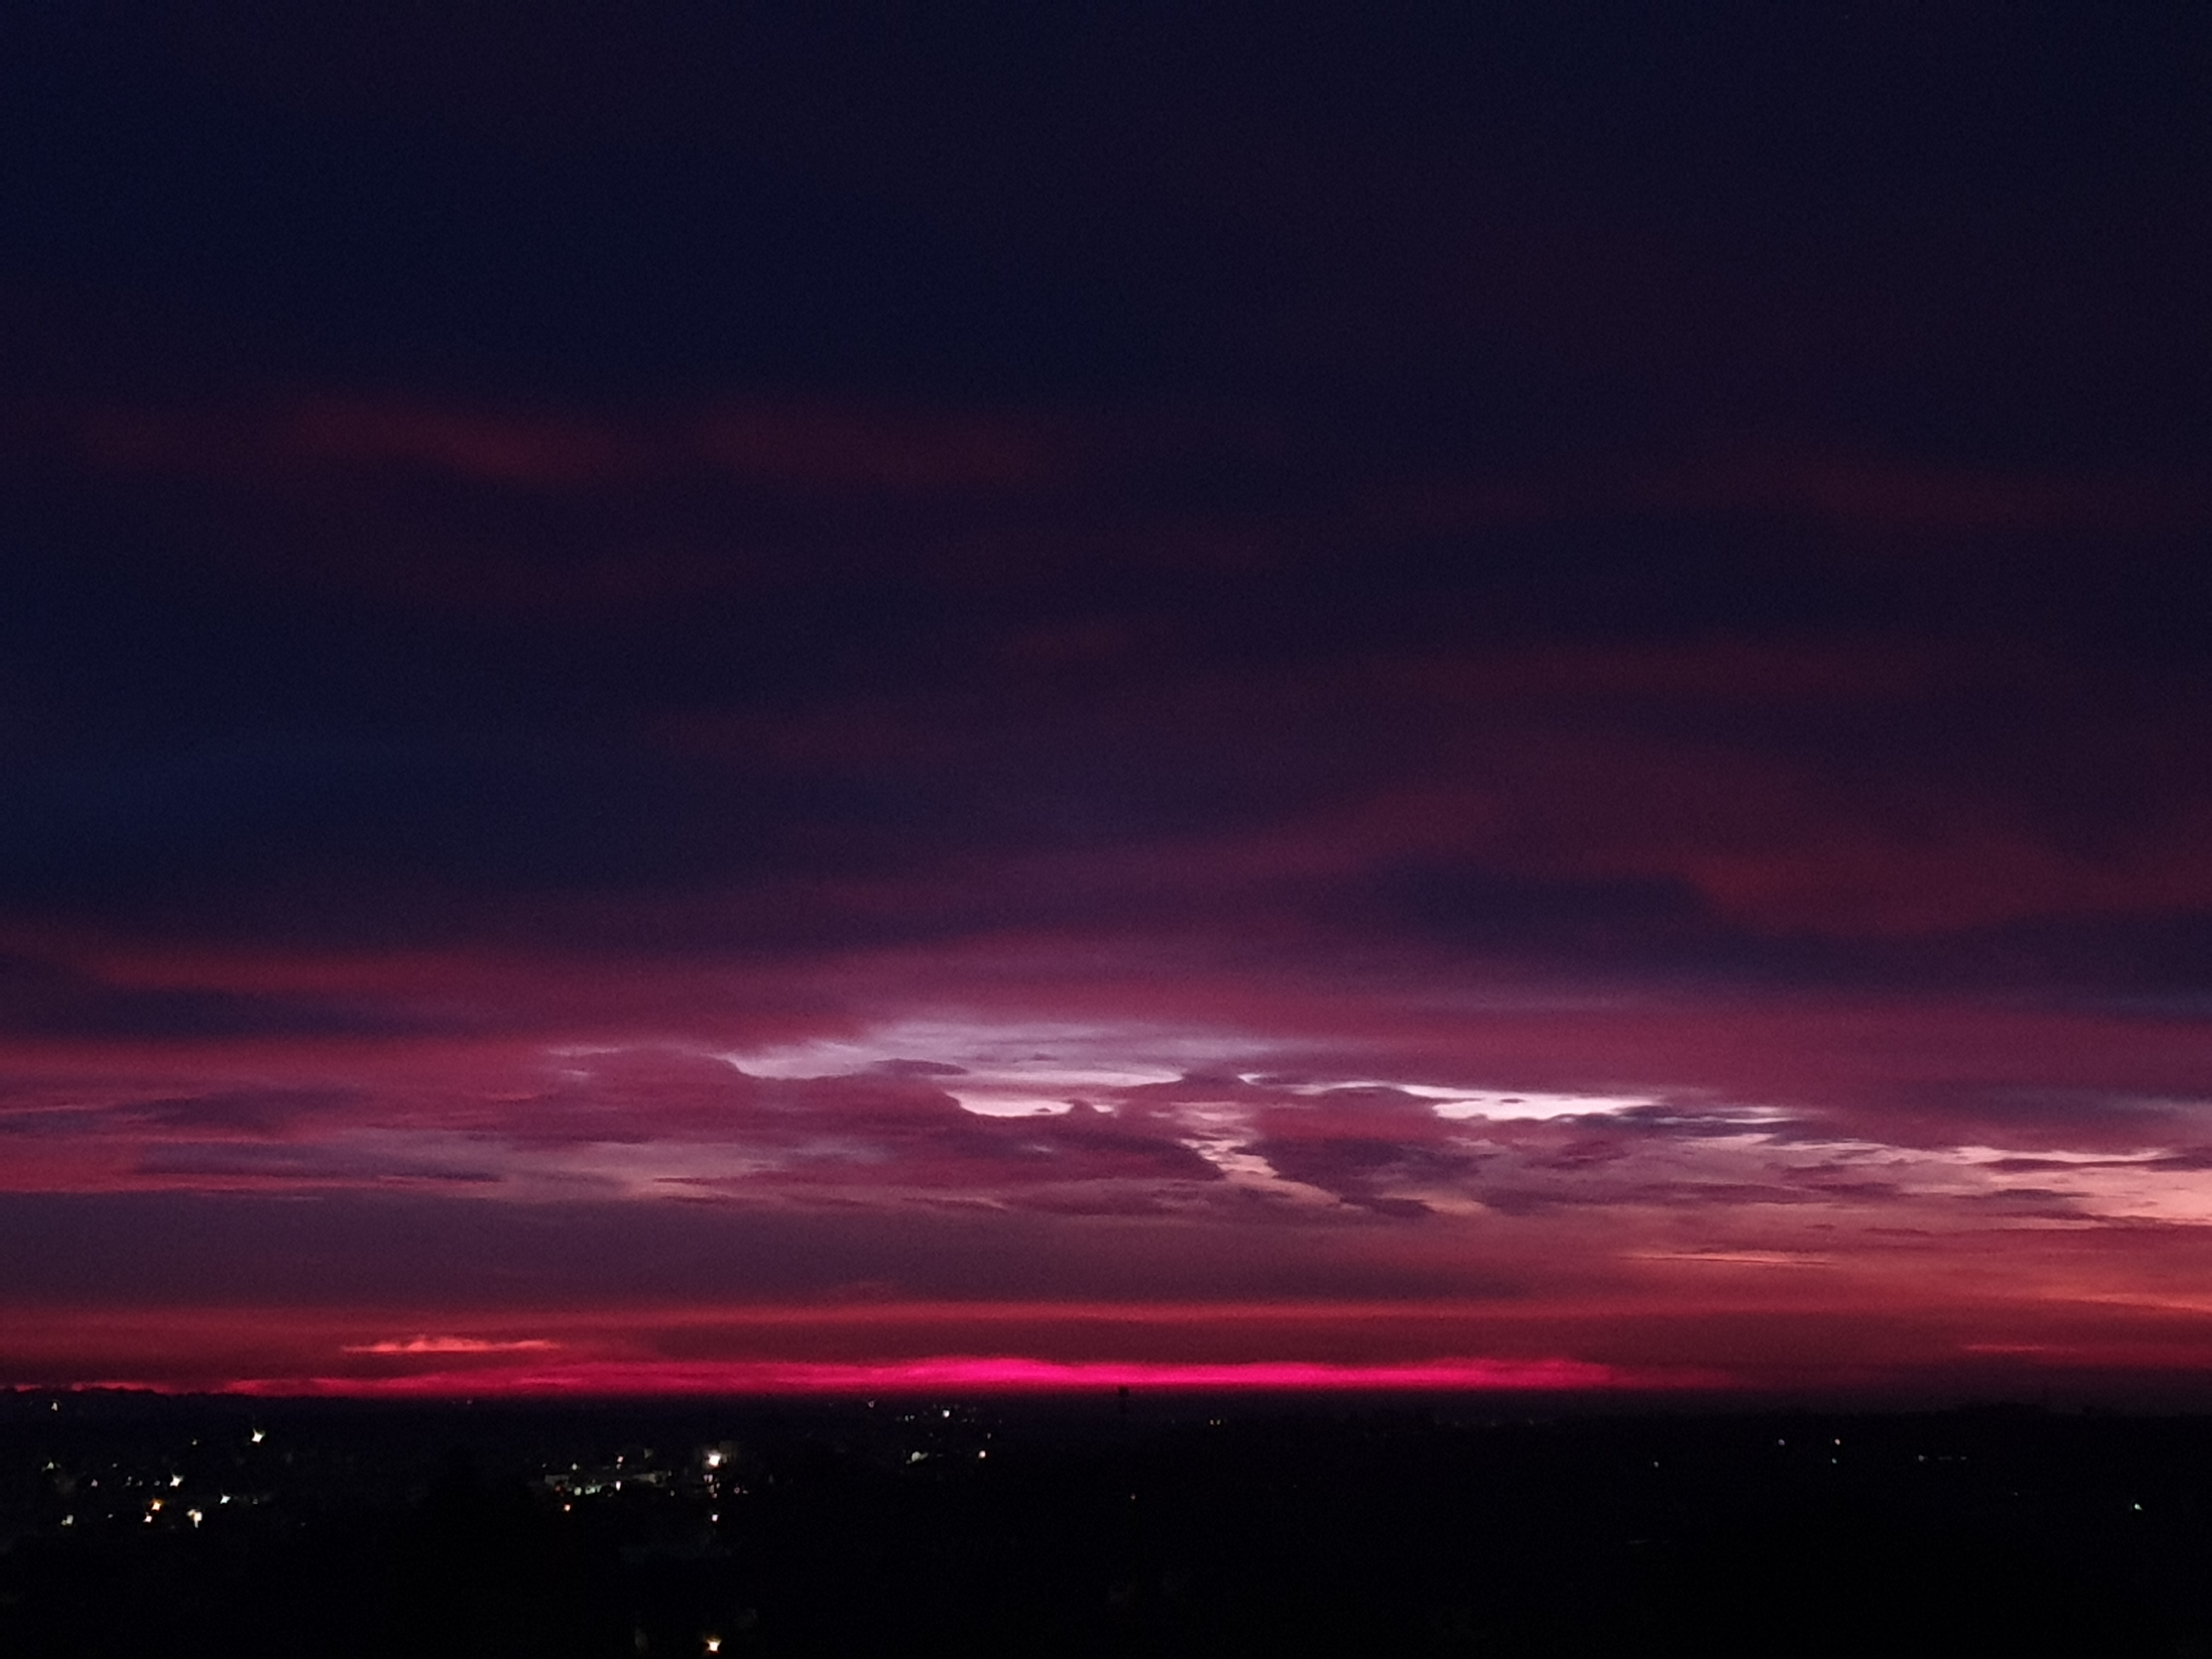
(165, 1497)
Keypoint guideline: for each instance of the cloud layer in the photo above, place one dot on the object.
(1469, 696)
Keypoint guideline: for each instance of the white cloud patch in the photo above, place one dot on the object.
(415, 1345)
(997, 1069)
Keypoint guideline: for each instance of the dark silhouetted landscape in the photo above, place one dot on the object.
(138, 1526)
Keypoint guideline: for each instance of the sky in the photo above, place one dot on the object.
(831, 696)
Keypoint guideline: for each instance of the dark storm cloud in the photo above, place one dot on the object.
(133, 829)
(337, 1246)
(1663, 803)
(1664, 930)
(43, 998)
(235, 1165)
(242, 1113)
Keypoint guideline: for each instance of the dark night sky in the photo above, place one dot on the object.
(690, 690)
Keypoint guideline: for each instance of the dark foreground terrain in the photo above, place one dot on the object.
(130, 1525)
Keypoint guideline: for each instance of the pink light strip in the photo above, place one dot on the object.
(982, 1374)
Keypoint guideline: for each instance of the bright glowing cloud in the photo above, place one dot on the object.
(428, 1345)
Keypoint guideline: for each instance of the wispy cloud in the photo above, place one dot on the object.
(447, 1344)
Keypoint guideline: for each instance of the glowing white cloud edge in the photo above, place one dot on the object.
(1011, 1070)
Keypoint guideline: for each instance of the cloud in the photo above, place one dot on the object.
(449, 1344)
(41, 997)
(240, 1113)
